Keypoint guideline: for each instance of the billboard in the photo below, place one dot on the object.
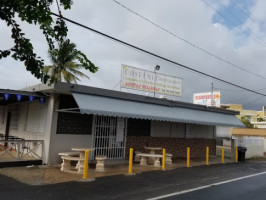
(206, 99)
(139, 79)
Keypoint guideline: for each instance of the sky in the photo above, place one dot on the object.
(222, 38)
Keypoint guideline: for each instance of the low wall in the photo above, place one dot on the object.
(175, 146)
(254, 145)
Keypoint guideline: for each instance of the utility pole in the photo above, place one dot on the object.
(156, 68)
(212, 100)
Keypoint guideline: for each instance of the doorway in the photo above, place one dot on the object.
(109, 136)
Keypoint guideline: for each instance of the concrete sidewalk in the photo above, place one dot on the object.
(43, 175)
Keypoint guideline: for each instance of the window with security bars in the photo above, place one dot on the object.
(36, 114)
(74, 123)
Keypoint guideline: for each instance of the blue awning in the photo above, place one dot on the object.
(107, 106)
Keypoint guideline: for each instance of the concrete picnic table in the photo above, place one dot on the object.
(80, 164)
(152, 151)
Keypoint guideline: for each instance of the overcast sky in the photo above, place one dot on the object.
(233, 30)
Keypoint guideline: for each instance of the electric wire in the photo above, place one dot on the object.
(243, 7)
(157, 56)
(247, 28)
(188, 42)
(219, 13)
(252, 101)
(244, 11)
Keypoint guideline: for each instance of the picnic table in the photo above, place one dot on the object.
(81, 150)
(152, 151)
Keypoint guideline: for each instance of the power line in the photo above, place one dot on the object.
(243, 7)
(250, 31)
(244, 11)
(253, 100)
(157, 56)
(190, 43)
(229, 90)
(219, 13)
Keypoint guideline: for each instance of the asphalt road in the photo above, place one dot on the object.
(152, 184)
(251, 188)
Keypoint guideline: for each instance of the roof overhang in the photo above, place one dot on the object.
(117, 107)
(13, 98)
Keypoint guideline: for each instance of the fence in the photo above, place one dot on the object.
(11, 150)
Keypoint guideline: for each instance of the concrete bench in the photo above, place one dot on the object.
(71, 153)
(168, 159)
(100, 163)
(137, 157)
(66, 164)
(145, 156)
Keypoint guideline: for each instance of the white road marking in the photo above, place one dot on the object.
(205, 186)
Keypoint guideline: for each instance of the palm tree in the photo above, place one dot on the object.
(66, 63)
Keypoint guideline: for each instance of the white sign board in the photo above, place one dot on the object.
(207, 100)
(139, 79)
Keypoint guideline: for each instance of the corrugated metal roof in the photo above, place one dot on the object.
(106, 106)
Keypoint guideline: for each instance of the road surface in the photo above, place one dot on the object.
(152, 184)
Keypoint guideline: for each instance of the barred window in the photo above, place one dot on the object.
(74, 123)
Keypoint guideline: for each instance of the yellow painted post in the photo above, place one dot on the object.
(207, 155)
(86, 162)
(163, 162)
(236, 155)
(130, 161)
(188, 156)
(222, 155)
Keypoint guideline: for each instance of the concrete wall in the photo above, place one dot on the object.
(254, 145)
(63, 142)
(21, 132)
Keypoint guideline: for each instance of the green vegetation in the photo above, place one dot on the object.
(64, 65)
(246, 121)
(36, 12)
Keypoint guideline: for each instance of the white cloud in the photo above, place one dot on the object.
(191, 20)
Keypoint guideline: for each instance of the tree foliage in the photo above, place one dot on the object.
(67, 61)
(33, 12)
(246, 121)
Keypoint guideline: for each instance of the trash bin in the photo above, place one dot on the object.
(241, 153)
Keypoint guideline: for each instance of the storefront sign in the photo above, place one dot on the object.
(139, 79)
(207, 100)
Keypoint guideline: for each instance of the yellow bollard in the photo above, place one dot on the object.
(130, 161)
(207, 155)
(236, 154)
(222, 155)
(163, 161)
(86, 162)
(188, 156)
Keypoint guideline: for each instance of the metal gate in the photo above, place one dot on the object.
(109, 136)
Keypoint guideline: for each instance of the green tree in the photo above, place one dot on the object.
(66, 63)
(33, 12)
(246, 121)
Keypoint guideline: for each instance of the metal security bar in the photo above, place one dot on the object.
(109, 137)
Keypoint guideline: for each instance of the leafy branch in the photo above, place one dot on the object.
(33, 12)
